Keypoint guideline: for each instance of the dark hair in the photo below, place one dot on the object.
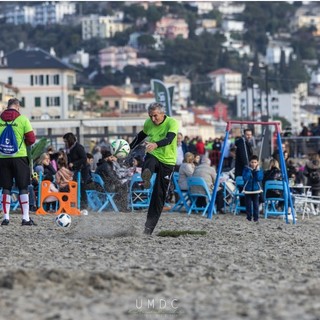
(89, 155)
(254, 157)
(248, 129)
(105, 153)
(70, 138)
(14, 101)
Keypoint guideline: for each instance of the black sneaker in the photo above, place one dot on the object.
(147, 231)
(5, 222)
(146, 176)
(28, 223)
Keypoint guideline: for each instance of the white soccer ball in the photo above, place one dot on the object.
(120, 148)
(63, 220)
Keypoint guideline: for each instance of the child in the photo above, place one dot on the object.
(252, 177)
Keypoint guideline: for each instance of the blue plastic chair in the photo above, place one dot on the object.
(183, 196)
(196, 186)
(238, 194)
(99, 201)
(140, 197)
(271, 203)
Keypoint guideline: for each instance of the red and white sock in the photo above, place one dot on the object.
(24, 205)
(6, 201)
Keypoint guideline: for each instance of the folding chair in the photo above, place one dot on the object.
(140, 197)
(183, 196)
(271, 204)
(99, 201)
(238, 194)
(229, 189)
(196, 187)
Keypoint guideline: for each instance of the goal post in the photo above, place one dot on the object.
(276, 124)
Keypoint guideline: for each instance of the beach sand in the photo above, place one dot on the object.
(102, 267)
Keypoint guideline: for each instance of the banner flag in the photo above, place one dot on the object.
(162, 94)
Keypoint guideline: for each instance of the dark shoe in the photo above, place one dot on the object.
(147, 231)
(5, 222)
(28, 223)
(249, 219)
(146, 176)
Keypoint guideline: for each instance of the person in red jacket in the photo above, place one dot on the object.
(200, 146)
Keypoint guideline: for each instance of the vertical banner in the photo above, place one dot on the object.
(162, 94)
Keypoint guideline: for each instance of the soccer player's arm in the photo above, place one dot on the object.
(29, 136)
(172, 132)
(139, 138)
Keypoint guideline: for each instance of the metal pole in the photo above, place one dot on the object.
(247, 99)
(267, 90)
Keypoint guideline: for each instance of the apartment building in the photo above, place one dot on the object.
(42, 14)
(119, 57)
(182, 90)
(226, 82)
(306, 16)
(171, 28)
(45, 84)
(95, 26)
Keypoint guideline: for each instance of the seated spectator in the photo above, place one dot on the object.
(44, 166)
(114, 178)
(312, 172)
(186, 170)
(63, 176)
(208, 173)
(272, 173)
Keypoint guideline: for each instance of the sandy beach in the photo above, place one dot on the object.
(102, 267)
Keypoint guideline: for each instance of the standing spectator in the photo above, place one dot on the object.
(182, 148)
(96, 157)
(160, 158)
(77, 160)
(243, 152)
(252, 177)
(200, 146)
(16, 167)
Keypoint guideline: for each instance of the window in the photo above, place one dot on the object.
(22, 102)
(41, 80)
(37, 102)
(10, 80)
(56, 79)
(116, 104)
(53, 101)
(31, 80)
(47, 80)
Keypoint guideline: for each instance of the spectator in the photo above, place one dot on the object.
(208, 173)
(182, 148)
(200, 146)
(186, 170)
(63, 176)
(243, 152)
(312, 172)
(252, 177)
(43, 165)
(77, 160)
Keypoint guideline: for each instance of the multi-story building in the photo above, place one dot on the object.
(226, 82)
(171, 28)
(182, 90)
(121, 101)
(252, 103)
(274, 49)
(41, 14)
(306, 16)
(119, 57)
(95, 26)
(45, 83)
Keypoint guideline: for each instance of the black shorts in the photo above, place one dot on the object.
(14, 171)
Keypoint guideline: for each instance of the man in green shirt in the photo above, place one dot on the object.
(161, 157)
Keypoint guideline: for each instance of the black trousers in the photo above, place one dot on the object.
(160, 188)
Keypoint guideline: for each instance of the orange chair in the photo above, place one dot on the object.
(68, 201)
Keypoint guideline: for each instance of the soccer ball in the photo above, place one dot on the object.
(63, 220)
(120, 148)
